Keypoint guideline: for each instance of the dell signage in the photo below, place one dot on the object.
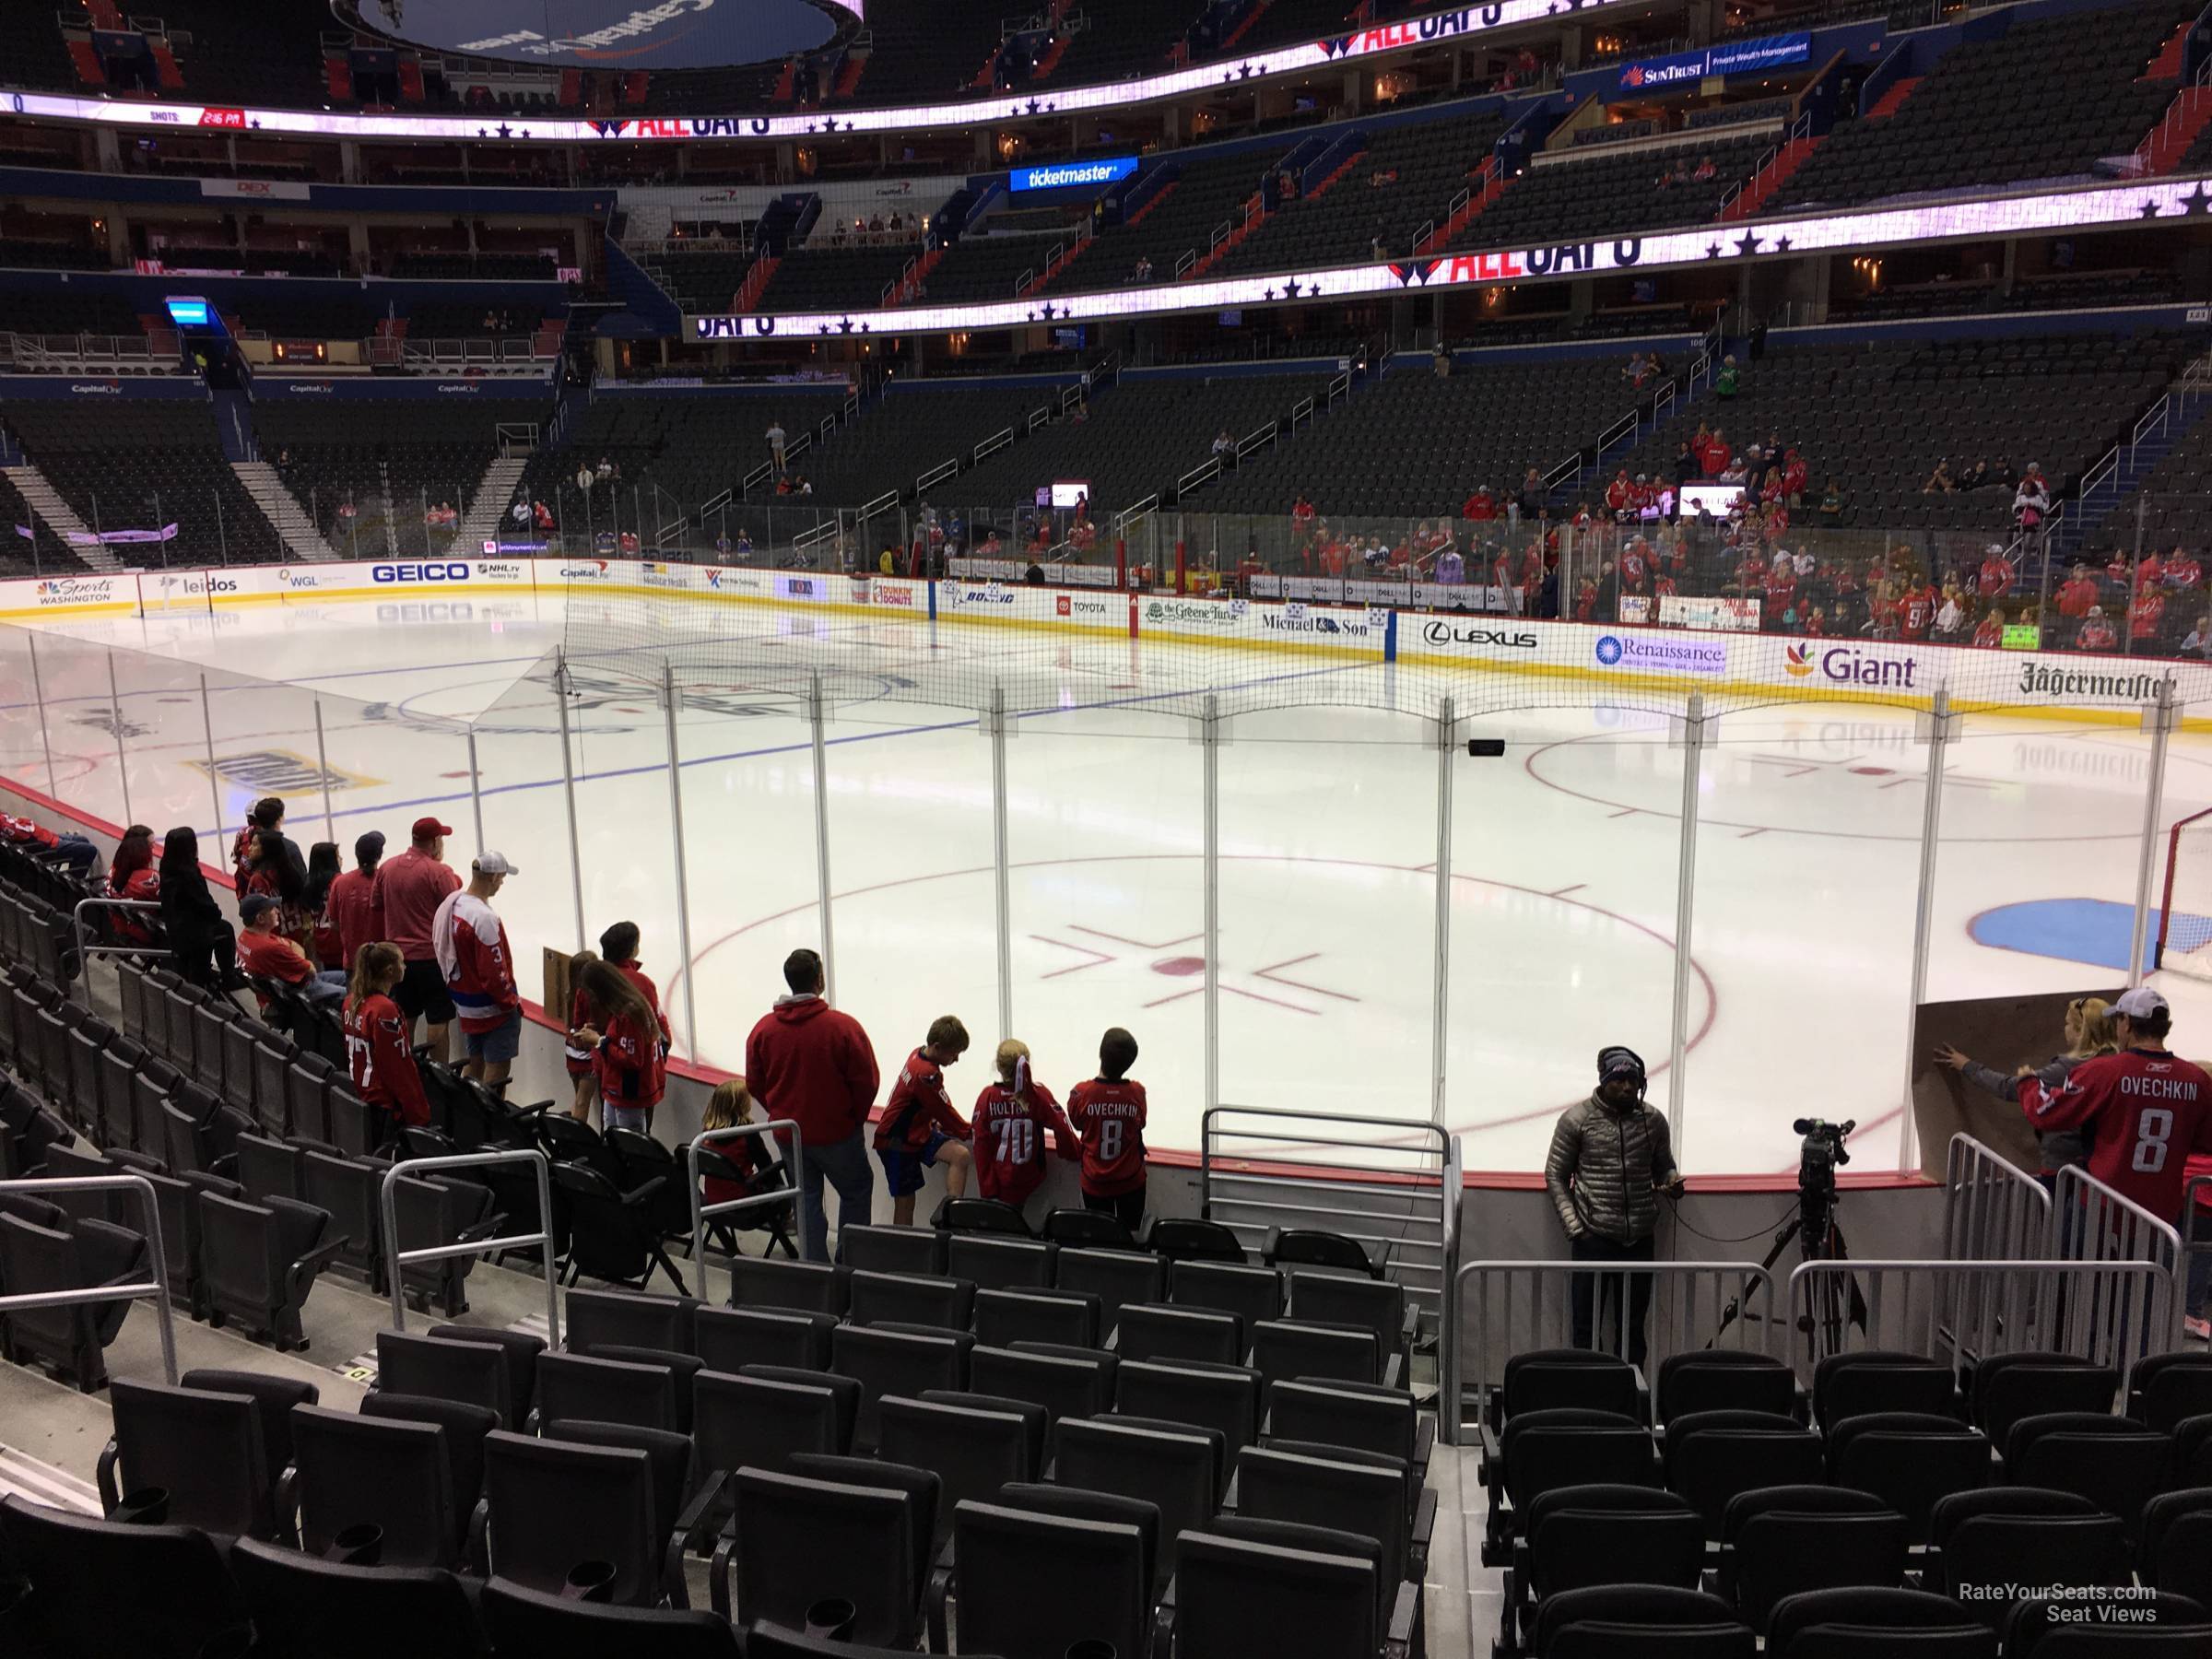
(1065, 175)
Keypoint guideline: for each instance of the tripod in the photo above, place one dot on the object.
(1815, 1227)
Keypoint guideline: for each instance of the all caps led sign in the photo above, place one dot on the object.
(2171, 200)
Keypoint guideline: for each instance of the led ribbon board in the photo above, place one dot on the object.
(2168, 200)
(1182, 83)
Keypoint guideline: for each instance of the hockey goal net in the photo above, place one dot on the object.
(2185, 943)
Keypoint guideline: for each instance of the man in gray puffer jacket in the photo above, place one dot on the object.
(1610, 1158)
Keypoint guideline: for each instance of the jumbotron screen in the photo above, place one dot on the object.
(615, 34)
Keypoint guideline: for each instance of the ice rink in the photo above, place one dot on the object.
(1564, 854)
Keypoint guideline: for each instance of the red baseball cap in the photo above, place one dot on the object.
(427, 826)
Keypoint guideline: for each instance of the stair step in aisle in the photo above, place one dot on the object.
(302, 539)
(487, 513)
(61, 519)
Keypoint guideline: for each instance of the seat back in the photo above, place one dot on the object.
(802, 1286)
(1910, 1460)
(1711, 1457)
(471, 1373)
(801, 1542)
(1242, 1600)
(1100, 1586)
(995, 1262)
(1117, 1277)
(554, 1504)
(1062, 1385)
(1867, 1623)
(390, 1474)
(1186, 1238)
(907, 1299)
(463, 1427)
(1008, 1317)
(1376, 1305)
(1560, 1378)
(1282, 1349)
(272, 1101)
(531, 1621)
(1220, 1397)
(578, 1388)
(304, 1608)
(1158, 1333)
(2115, 1463)
(1724, 1380)
(1368, 1420)
(271, 1168)
(179, 1598)
(1311, 1492)
(350, 1189)
(2005, 1393)
(1880, 1380)
(1601, 1534)
(752, 1420)
(307, 1082)
(973, 1453)
(591, 1317)
(1176, 1473)
(519, 1353)
(916, 1249)
(728, 1339)
(893, 1362)
(203, 1448)
(1253, 1294)
(1781, 1552)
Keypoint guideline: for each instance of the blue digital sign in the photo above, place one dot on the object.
(1064, 175)
(186, 313)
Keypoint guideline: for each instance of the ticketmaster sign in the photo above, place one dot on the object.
(1069, 173)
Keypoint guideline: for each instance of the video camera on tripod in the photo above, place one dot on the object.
(1822, 1150)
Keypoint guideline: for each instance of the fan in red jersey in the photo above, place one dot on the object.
(1011, 1116)
(919, 1128)
(2144, 1110)
(1108, 1112)
(376, 1037)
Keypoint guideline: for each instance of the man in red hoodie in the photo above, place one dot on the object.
(808, 1061)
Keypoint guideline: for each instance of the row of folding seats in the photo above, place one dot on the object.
(633, 1461)
(1211, 1311)
(1739, 1492)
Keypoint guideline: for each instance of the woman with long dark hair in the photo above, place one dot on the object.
(200, 937)
(625, 1033)
(323, 868)
(278, 871)
(130, 876)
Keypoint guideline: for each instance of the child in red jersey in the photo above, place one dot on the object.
(376, 1037)
(919, 1127)
(1108, 1112)
(576, 1054)
(730, 1106)
(1011, 1118)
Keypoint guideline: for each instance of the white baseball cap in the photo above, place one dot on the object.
(489, 863)
(2142, 1003)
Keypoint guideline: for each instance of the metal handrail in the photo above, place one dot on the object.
(701, 1212)
(1501, 1307)
(2033, 1307)
(1984, 1193)
(157, 1287)
(85, 951)
(397, 1260)
(2087, 1216)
